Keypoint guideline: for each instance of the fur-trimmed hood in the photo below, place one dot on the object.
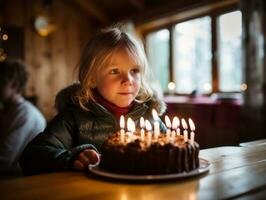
(65, 97)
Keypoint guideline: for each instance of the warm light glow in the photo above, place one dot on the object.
(43, 25)
(191, 124)
(3, 57)
(148, 125)
(124, 196)
(184, 123)
(155, 115)
(207, 87)
(122, 122)
(176, 123)
(142, 132)
(142, 122)
(131, 125)
(167, 121)
(243, 86)
(5, 37)
(171, 86)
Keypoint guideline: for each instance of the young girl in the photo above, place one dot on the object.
(112, 75)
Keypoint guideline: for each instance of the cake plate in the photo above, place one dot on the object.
(203, 168)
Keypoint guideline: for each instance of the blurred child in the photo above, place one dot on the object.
(112, 82)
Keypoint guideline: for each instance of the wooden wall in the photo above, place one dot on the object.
(50, 59)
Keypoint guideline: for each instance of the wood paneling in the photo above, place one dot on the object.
(50, 59)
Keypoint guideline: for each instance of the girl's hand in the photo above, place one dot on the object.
(85, 158)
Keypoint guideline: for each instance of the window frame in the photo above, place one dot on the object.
(214, 14)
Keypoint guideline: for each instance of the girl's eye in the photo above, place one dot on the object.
(135, 70)
(114, 71)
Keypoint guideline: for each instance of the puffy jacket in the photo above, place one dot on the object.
(74, 129)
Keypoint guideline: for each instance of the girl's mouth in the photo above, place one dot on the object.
(125, 93)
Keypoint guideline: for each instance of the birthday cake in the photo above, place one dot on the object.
(161, 155)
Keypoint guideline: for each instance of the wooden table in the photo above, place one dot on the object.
(253, 143)
(235, 172)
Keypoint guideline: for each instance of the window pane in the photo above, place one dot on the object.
(158, 55)
(192, 56)
(229, 48)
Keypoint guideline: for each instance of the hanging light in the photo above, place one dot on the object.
(43, 23)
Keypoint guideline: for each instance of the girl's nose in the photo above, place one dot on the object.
(127, 79)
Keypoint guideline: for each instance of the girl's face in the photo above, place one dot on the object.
(119, 81)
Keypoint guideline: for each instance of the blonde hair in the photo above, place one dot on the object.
(98, 51)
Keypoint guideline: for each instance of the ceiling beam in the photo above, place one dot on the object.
(158, 17)
(93, 10)
(137, 3)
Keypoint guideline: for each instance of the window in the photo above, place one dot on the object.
(192, 55)
(158, 54)
(229, 45)
(183, 54)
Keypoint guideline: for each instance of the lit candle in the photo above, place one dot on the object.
(156, 124)
(176, 124)
(142, 132)
(168, 125)
(131, 129)
(192, 128)
(184, 124)
(149, 134)
(122, 131)
(178, 131)
(156, 129)
(130, 125)
(172, 138)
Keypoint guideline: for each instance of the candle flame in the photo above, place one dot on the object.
(184, 123)
(131, 125)
(148, 125)
(155, 114)
(176, 123)
(167, 121)
(122, 122)
(142, 122)
(191, 124)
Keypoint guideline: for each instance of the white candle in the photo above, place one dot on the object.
(185, 135)
(122, 122)
(178, 131)
(149, 134)
(173, 136)
(192, 136)
(184, 124)
(142, 132)
(168, 125)
(168, 133)
(155, 115)
(130, 125)
(192, 128)
(122, 131)
(176, 124)
(131, 129)
(156, 124)
(156, 129)
(122, 135)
